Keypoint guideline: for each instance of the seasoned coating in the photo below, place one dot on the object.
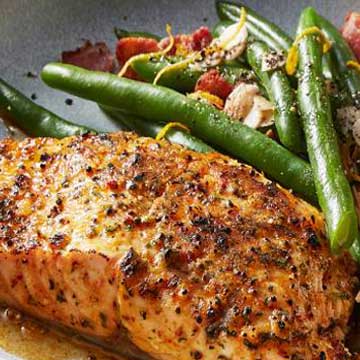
(185, 255)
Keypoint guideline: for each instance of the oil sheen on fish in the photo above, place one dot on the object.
(169, 253)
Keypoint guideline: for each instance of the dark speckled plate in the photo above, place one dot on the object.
(34, 32)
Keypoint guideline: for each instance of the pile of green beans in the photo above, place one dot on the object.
(206, 122)
(281, 94)
(332, 186)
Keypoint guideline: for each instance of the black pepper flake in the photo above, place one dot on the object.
(110, 211)
(322, 355)
(103, 319)
(197, 355)
(198, 319)
(313, 240)
(69, 101)
(135, 159)
(130, 185)
(44, 157)
(60, 297)
(178, 310)
(246, 311)
(281, 325)
(33, 96)
(236, 310)
(232, 333)
(200, 221)
(213, 330)
(31, 75)
(222, 242)
(51, 284)
(270, 299)
(139, 177)
(210, 313)
(85, 323)
(57, 240)
(249, 344)
(143, 314)
(294, 220)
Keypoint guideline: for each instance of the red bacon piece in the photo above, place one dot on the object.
(351, 31)
(90, 56)
(214, 83)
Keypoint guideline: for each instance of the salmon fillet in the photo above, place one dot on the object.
(169, 253)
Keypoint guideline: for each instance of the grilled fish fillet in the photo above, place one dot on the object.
(169, 253)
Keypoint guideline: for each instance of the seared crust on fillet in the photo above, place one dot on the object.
(186, 255)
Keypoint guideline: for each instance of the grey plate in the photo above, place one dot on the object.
(34, 32)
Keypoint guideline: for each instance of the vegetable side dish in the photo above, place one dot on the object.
(193, 255)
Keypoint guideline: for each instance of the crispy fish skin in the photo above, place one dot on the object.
(186, 255)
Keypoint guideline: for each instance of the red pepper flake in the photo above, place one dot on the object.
(113, 185)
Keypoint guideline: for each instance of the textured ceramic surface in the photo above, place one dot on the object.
(34, 32)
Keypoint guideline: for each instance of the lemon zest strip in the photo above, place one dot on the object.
(179, 65)
(239, 27)
(293, 53)
(162, 133)
(211, 98)
(147, 56)
(352, 64)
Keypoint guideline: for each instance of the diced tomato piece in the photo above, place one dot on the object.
(351, 32)
(188, 43)
(214, 83)
(90, 56)
(131, 46)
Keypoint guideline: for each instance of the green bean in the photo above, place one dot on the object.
(183, 80)
(206, 122)
(281, 95)
(332, 187)
(122, 33)
(341, 52)
(34, 119)
(355, 249)
(151, 129)
(260, 28)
